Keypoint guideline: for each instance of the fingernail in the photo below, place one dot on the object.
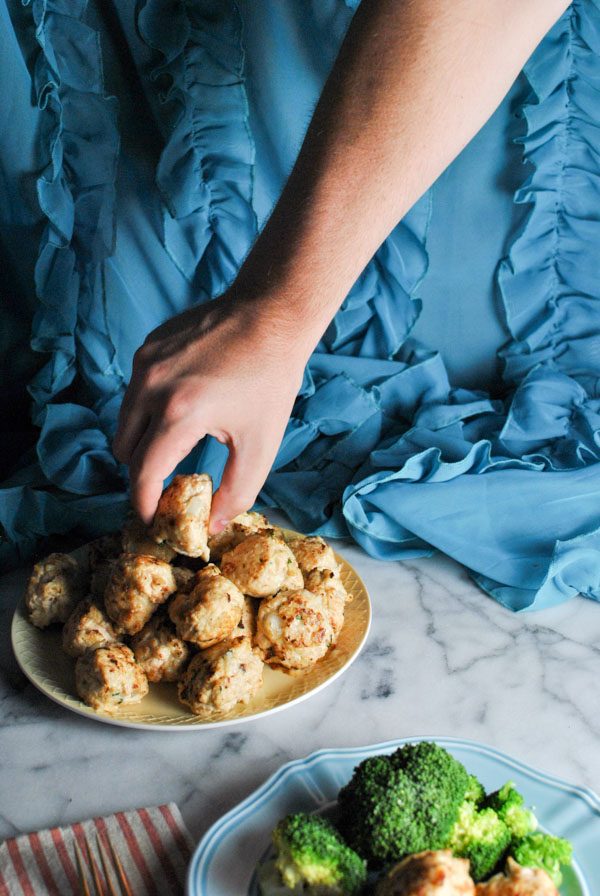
(218, 526)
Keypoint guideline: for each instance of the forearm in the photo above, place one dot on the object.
(414, 81)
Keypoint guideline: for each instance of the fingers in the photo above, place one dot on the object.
(247, 468)
(157, 454)
(133, 423)
(133, 419)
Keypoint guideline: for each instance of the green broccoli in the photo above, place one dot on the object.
(545, 851)
(311, 852)
(510, 806)
(475, 791)
(402, 803)
(481, 836)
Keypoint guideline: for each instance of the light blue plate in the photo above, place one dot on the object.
(224, 861)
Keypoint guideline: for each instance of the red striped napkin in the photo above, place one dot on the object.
(153, 844)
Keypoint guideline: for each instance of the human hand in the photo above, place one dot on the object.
(221, 369)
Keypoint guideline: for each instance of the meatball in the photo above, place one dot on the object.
(246, 627)
(520, 881)
(101, 577)
(329, 585)
(158, 651)
(260, 565)
(219, 678)
(109, 677)
(108, 547)
(137, 586)
(182, 515)
(210, 611)
(293, 629)
(235, 532)
(184, 578)
(312, 552)
(428, 874)
(56, 584)
(87, 628)
(136, 539)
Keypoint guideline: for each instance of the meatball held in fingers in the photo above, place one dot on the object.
(109, 677)
(137, 586)
(209, 610)
(182, 516)
(219, 678)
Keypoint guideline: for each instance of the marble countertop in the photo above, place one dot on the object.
(441, 659)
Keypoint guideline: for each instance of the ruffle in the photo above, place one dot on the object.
(382, 307)
(511, 489)
(205, 174)
(76, 192)
(549, 281)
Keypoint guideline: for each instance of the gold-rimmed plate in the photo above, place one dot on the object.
(40, 656)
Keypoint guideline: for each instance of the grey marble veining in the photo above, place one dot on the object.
(441, 659)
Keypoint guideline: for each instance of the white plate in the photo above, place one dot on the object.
(41, 658)
(224, 861)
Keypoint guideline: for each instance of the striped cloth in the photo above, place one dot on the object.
(153, 844)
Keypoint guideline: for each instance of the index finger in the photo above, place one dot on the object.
(157, 454)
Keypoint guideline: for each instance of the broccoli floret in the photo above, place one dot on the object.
(481, 836)
(403, 803)
(475, 791)
(540, 850)
(311, 851)
(510, 806)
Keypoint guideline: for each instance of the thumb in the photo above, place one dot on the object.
(245, 472)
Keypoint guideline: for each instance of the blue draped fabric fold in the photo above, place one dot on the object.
(382, 444)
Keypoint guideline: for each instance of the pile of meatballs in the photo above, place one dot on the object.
(171, 603)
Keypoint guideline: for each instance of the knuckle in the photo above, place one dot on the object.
(175, 408)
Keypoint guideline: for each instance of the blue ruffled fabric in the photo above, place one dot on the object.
(75, 191)
(205, 173)
(381, 444)
(527, 524)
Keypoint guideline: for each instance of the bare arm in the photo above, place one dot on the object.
(414, 81)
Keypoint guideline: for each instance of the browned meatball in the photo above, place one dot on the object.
(246, 627)
(87, 628)
(101, 577)
(137, 586)
(108, 547)
(136, 539)
(519, 881)
(109, 677)
(261, 564)
(329, 585)
(235, 532)
(182, 515)
(209, 611)
(158, 651)
(431, 873)
(312, 552)
(293, 629)
(56, 584)
(219, 678)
